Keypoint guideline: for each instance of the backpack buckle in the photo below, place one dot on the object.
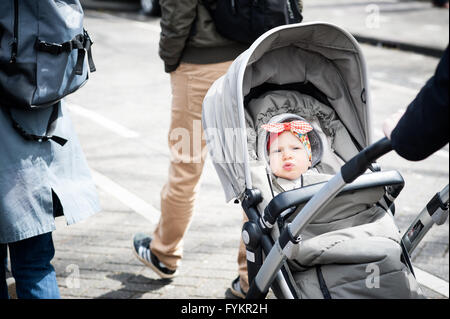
(52, 48)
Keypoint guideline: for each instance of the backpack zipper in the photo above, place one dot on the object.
(15, 44)
(233, 6)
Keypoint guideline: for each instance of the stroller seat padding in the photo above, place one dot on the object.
(344, 245)
(362, 261)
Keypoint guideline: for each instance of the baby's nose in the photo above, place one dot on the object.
(287, 154)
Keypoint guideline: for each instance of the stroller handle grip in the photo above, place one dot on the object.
(361, 162)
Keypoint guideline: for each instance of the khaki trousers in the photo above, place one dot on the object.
(242, 261)
(190, 83)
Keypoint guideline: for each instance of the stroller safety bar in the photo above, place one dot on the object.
(300, 196)
(291, 234)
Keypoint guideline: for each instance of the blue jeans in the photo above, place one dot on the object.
(30, 266)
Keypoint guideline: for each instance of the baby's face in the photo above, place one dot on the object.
(288, 157)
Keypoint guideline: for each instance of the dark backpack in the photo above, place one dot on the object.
(245, 20)
(44, 53)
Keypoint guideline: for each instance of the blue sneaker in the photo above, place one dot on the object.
(141, 248)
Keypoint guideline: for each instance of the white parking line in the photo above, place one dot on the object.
(103, 121)
(434, 283)
(130, 200)
(152, 26)
(147, 26)
(432, 27)
(442, 153)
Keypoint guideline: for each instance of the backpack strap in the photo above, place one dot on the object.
(50, 128)
(1, 34)
(87, 47)
(81, 42)
(295, 11)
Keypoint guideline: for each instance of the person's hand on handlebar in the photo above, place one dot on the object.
(391, 122)
(422, 129)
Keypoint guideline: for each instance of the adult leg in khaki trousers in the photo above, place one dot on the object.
(190, 83)
(242, 263)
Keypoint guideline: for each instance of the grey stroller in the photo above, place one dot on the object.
(334, 238)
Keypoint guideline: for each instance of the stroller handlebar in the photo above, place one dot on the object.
(361, 162)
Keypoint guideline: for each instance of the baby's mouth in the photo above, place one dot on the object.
(288, 166)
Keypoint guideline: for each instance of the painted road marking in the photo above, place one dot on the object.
(126, 197)
(434, 283)
(103, 121)
(145, 25)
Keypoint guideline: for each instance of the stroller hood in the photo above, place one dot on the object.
(318, 53)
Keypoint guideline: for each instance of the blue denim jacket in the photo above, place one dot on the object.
(29, 171)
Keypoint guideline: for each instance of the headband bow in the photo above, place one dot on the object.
(300, 128)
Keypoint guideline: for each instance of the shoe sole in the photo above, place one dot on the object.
(236, 293)
(11, 283)
(152, 267)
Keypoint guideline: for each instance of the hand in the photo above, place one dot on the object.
(391, 122)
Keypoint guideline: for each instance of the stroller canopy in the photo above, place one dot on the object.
(318, 53)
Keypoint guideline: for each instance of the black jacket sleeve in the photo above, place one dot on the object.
(423, 129)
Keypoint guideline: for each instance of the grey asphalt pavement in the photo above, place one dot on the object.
(409, 24)
(122, 119)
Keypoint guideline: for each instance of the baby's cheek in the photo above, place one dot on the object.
(274, 165)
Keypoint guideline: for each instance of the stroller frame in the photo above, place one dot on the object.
(266, 256)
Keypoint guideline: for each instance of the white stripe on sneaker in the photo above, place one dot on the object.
(143, 253)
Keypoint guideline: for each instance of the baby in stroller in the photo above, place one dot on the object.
(290, 151)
